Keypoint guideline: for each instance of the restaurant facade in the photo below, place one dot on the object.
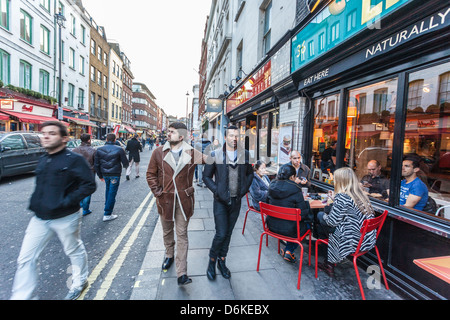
(374, 81)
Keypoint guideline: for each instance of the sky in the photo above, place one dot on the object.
(162, 39)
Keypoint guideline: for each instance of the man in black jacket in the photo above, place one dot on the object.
(233, 176)
(133, 148)
(108, 166)
(63, 179)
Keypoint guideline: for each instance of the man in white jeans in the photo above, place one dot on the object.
(63, 179)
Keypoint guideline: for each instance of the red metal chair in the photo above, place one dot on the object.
(250, 208)
(291, 214)
(368, 226)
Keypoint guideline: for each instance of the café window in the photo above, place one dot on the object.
(326, 117)
(427, 139)
(369, 135)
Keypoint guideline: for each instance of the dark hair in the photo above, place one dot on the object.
(414, 159)
(286, 172)
(111, 137)
(181, 128)
(85, 137)
(258, 165)
(233, 127)
(62, 127)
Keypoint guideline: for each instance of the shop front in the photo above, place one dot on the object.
(21, 114)
(377, 80)
(78, 123)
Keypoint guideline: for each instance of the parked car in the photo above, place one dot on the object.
(19, 152)
(74, 143)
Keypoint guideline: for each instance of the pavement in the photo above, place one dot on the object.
(276, 280)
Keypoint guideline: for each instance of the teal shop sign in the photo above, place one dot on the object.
(339, 21)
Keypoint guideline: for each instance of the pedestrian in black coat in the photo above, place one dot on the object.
(134, 148)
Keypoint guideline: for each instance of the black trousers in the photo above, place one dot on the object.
(225, 217)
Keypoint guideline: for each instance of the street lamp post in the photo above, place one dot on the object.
(59, 17)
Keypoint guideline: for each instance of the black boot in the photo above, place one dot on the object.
(223, 268)
(327, 267)
(211, 271)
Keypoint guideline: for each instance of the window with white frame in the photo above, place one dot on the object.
(267, 28)
(72, 58)
(45, 40)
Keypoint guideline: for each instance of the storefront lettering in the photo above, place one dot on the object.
(27, 109)
(423, 124)
(318, 76)
(416, 30)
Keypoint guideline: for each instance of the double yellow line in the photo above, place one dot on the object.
(106, 285)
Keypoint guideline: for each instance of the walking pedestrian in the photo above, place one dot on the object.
(202, 146)
(109, 160)
(134, 148)
(233, 176)
(63, 179)
(169, 176)
(86, 150)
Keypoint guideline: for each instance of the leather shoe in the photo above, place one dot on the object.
(211, 271)
(184, 279)
(167, 263)
(223, 268)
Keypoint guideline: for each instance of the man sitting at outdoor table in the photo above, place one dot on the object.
(302, 170)
(413, 192)
(375, 181)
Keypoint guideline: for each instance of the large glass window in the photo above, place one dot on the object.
(26, 26)
(326, 117)
(427, 139)
(369, 135)
(4, 14)
(44, 80)
(45, 40)
(25, 75)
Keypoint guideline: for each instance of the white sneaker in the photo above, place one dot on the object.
(109, 218)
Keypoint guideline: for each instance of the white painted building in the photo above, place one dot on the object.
(75, 56)
(116, 89)
(27, 45)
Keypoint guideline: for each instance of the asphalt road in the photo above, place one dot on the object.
(115, 249)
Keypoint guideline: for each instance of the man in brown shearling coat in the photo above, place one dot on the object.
(170, 175)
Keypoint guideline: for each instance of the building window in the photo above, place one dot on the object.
(45, 40)
(369, 135)
(5, 67)
(80, 99)
(83, 35)
(45, 4)
(335, 32)
(81, 67)
(321, 41)
(105, 58)
(61, 8)
(44, 80)
(93, 47)
(73, 26)
(72, 58)
(26, 27)
(92, 104)
(25, 75)
(427, 139)
(267, 28)
(63, 46)
(4, 14)
(71, 94)
(99, 78)
(105, 82)
(93, 73)
(99, 53)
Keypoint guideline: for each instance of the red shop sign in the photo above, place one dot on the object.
(256, 84)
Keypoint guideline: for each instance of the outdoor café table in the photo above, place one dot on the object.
(316, 204)
(438, 266)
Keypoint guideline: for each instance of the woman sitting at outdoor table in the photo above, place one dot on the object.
(260, 184)
(343, 223)
(284, 192)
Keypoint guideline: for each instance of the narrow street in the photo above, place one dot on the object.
(115, 249)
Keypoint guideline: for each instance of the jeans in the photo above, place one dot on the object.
(112, 185)
(225, 217)
(85, 203)
(38, 234)
(200, 173)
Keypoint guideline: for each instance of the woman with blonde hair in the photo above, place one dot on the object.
(343, 223)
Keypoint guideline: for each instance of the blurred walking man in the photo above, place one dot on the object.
(108, 166)
(170, 175)
(233, 176)
(134, 147)
(63, 179)
(88, 153)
